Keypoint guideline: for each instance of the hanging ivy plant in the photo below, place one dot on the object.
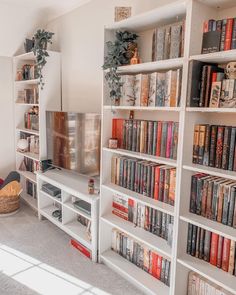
(41, 39)
(119, 53)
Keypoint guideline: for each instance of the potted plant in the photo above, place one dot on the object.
(119, 53)
(41, 40)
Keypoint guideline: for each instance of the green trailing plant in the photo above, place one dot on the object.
(119, 53)
(41, 40)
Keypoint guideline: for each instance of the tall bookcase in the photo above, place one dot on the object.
(195, 13)
(49, 98)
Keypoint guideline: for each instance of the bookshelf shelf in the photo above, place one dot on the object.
(161, 206)
(69, 206)
(32, 156)
(29, 131)
(211, 170)
(28, 175)
(214, 274)
(56, 200)
(217, 57)
(137, 276)
(146, 157)
(156, 243)
(26, 104)
(211, 110)
(207, 224)
(33, 81)
(141, 109)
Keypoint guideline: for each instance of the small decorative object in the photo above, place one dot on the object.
(113, 143)
(119, 53)
(91, 186)
(122, 13)
(135, 59)
(230, 70)
(29, 45)
(41, 40)
(131, 115)
(19, 75)
(22, 145)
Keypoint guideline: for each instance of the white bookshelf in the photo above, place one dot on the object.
(49, 99)
(195, 12)
(72, 186)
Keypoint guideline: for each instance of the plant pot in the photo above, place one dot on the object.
(116, 102)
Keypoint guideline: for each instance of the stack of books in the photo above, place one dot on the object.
(142, 256)
(214, 146)
(31, 119)
(219, 35)
(29, 165)
(29, 95)
(162, 89)
(198, 285)
(209, 87)
(168, 41)
(149, 137)
(149, 179)
(212, 248)
(149, 219)
(214, 198)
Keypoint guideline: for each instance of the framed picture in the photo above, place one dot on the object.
(122, 13)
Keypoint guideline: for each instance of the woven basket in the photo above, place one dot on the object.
(10, 198)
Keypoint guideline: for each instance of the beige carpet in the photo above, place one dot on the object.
(36, 258)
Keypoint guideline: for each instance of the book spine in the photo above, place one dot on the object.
(169, 139)
(220, 250)
(232, 206)
(193, 197)
(231, 257)
(219, 147)
(223, 35)
(207, 146)
(164, 139)
(214, 248)
(213, 146)
(233, 43)
(157, 182)
(225, 254)
(202, 135)
(228, 33)
(232, 148)
(196, 143)
(207, 246)
(203, 86)
(159, 139)
(226, 146)
(193, 240)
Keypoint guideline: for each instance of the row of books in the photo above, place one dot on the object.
(162, 89)
(212, 248)
(214, 146)
(147, 178)
(219, 35)
(141, 255)
(33, 143)
(31, 188)
(149, 137)
(29, 95)
(168, 41)
(149, 219)
(214, 198)
(209, 87)
(31, 119)
(29, 165)
(198, 285)
(27, 72)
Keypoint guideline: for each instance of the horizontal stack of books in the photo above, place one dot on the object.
(214, 146)
(198, 285)
(154, 221)
(209, 87)
(219, 35)
(149, 137)
(29, 95)
(32, 119)
(168, 41)
(212, 248)
(162, 89)
(214, 198)
(149, 179)
(142, 256)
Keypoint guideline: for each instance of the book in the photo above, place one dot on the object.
(215, 95)
(228, 33)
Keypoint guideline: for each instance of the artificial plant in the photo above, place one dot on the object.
(119, 53)
(41, 40)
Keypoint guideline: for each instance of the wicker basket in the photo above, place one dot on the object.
(10, 198)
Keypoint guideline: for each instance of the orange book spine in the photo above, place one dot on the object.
(159, 262)
(214, 249)
(159, 132)
(120, 214)
(157, 183)
(225, 254)
(228, 34)
(154, 264)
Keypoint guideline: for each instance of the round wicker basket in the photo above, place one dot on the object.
(9, 204)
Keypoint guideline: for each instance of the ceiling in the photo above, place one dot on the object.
(52, 8)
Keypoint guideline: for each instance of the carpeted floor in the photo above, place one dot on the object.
(36, 258)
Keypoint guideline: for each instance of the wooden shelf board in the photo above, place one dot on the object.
(217, 57)
(32, 156)
(210, 225)
(28, 175)
(137, 276)
(161, 206)
(156, 243)
(211, 110)
(211, 171)
(70, 206)
(141, 156)
(32, 81)
(214, 274)
(29, 131)
(139, 108)
(29, 200)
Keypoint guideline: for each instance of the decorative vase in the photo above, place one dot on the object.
(131, 50)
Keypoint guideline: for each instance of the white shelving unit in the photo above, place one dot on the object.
(195, 12)
(71, 186)
(49, 99)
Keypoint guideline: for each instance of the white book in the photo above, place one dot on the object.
(138, 89)
(152, 89)
(128, 92)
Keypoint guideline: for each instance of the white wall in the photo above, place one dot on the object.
(7, 156)
(79, 37)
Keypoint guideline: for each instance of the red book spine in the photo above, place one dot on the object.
(169, 139)
(117, 130)
(157, 182)
(228, 34)
(81, 248)
(214, 77)
(159, 132)
(225, 254)
(219, 253)
(119, 207)
(205, 26)
(214, 248)
(120, 214)
(159, 262)
(154, 264)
